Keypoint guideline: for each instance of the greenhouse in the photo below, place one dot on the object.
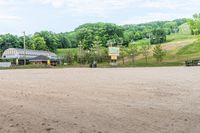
(18, 55)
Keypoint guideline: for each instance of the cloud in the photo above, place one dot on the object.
(104, 8)
(9, 18)
(3, 2)
(88, 7)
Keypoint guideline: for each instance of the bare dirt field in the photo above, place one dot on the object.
(129, 100)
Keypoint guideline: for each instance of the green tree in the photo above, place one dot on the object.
(159, 53)
(123, 53)
(50, 39)
(171, 26)
(145, 51)
(158, 36)
(28, 42)
(133, 51)
(81, 55)
(69, 57)
(63, 41)
(9, 41)
(38, 43)
(72, 36)
(87, 33)
(195, 24)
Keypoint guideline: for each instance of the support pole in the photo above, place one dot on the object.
(24, 48)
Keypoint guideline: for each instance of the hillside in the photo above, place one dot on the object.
(180, 45)
(178, 51)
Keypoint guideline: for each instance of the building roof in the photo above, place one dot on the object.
(40, 58)
(15, 53)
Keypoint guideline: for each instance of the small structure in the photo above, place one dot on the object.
(114, 53)
(5, 64)
(41, 59)
(17, 56)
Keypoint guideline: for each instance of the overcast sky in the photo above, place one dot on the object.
(65, 15)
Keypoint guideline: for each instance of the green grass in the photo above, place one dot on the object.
(178, 37)
(141, 43)
(190, 49)
(62, 52)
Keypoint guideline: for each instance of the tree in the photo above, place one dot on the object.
(123, 53)
(63, 41)
(159, 53)
(80, 54)
(133, 51)
(69, 57)
(38, 43)
(158, 36)
(9, 41)
(105, 31)
(146, 51)
(72, 36)
(195, 24)
(171, 26)
(28, 42)
(50, 39)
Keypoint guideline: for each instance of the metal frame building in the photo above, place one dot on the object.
(21, 54)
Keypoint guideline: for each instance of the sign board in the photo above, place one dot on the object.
(113, 57)
(114, 51)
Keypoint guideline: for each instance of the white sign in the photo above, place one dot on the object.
(5, 64)
(114, 51)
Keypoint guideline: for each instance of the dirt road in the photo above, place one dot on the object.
(129, 100)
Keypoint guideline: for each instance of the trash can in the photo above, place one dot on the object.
(93, 64)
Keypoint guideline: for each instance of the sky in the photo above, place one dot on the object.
(33, 16)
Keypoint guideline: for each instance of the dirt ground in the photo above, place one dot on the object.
(122, 100)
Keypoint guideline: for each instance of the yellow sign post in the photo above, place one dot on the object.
(113, 57)
(17, 62)
(48, 62)
(114, 53)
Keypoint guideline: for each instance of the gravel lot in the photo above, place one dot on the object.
(122, 100)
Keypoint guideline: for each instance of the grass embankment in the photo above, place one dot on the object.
(178, 51)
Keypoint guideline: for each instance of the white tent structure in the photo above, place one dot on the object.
(20, 54)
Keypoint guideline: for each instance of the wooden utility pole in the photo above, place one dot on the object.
(24, 48)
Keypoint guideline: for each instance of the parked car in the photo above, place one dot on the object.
(198, 63)
(192, 63)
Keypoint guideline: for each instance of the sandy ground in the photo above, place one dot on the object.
(135, 100)
(177, 45)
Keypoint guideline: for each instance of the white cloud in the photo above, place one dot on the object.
(8, 18)
(102, 8)
(89, 7)
(3, 2)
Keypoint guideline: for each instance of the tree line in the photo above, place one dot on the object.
(100, 54)
(94, 34)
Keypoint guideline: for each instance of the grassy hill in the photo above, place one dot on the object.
(178, 51)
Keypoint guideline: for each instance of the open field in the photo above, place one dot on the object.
(129, 100)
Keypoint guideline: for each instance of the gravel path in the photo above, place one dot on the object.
(125, 100)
